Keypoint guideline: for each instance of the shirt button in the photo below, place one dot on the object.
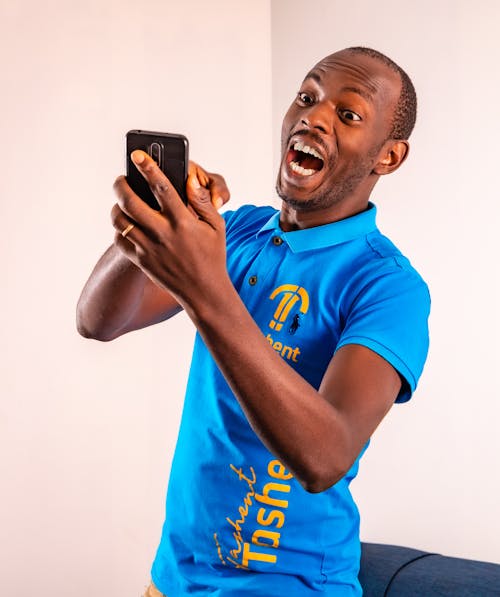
(252, 280)
(277, 240)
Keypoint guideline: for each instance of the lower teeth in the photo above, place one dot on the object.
(304, 171)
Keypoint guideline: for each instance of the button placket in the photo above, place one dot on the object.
(252, 290)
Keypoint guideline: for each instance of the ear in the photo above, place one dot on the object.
(392, 155)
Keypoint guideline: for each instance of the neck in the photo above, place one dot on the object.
(300, 219)
(335, 206)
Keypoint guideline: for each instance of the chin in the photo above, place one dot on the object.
(293, 191)
(301, 201)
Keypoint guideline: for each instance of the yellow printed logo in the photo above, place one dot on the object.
(263, 514)
(291, 295)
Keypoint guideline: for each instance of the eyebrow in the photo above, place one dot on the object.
(349, 88)
(362, 92)
(314, 76)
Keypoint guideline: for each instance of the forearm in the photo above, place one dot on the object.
(288, 414)
(110, 297)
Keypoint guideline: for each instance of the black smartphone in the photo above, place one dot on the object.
(169, 151)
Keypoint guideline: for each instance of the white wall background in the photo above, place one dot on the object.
(431, 477)
(87, 430)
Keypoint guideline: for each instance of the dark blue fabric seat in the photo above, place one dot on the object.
(393, 571)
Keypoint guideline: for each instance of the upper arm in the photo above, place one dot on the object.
(389, 316)
(379, 355)
(361, 386)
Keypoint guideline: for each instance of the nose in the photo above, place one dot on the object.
(319, 117)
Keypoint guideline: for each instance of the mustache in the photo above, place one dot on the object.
(313, 135)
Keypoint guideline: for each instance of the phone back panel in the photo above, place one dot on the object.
(170, 152)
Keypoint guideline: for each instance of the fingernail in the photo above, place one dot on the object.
(137, 156)
(218, 203)
(195, 182)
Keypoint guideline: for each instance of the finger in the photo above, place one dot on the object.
(218, 190)
(134, 207)
(206, 210)
(195, 190)
(194, 168)
(215, 183)
(162, 188)
(121, 223)
(127, 248)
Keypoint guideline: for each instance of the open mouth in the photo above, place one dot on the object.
(304, 160)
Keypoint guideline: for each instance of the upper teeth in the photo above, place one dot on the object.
(299, 146)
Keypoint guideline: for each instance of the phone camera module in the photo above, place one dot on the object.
(155, 152)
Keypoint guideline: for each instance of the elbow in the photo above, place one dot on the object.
(320, 484)
(82, 330)
(320, 479)
(92, 332)
(92, 325)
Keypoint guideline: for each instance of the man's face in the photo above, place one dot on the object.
(334, 131)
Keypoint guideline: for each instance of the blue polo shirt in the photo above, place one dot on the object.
(238, 523)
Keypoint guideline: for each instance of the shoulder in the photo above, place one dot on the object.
(385, 265)
(248, 218)
(386, 289)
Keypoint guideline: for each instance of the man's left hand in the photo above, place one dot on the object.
(181, 248)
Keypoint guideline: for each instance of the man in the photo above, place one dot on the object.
(310, 325)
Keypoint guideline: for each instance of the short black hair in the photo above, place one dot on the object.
(405, 113)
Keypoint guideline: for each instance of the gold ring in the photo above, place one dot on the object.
(127, 230)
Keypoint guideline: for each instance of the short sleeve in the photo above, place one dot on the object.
(245, 218)
(389, 315)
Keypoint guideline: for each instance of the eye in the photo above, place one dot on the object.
(304, 98)
(350, 115)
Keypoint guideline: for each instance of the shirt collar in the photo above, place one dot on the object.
(326, 235)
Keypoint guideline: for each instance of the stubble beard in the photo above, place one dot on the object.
(339, 189)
